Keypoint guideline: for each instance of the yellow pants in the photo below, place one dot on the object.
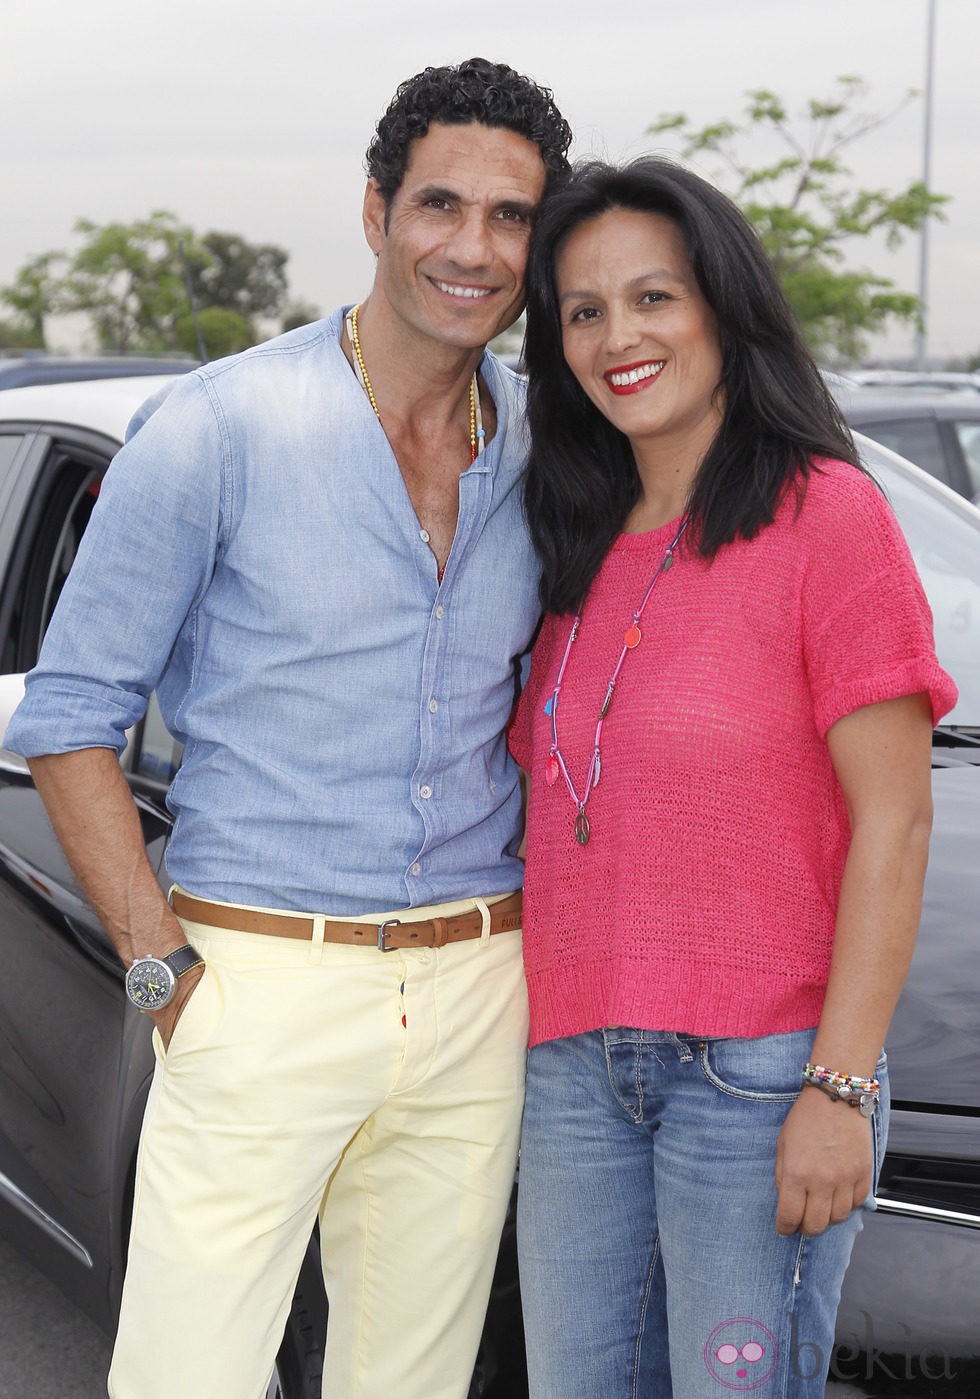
(291, 1091)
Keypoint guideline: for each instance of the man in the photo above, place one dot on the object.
(314, 552)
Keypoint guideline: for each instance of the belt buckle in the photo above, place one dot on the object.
(383, 934)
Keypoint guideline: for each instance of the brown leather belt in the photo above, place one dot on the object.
(389, 936)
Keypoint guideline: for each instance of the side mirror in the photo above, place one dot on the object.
(11, 694)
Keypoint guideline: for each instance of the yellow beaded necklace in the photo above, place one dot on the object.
(477, 435)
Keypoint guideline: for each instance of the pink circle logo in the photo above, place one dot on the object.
(741, 1353)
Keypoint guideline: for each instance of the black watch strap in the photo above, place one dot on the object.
(185, 959)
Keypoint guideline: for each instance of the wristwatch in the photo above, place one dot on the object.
(152, 981)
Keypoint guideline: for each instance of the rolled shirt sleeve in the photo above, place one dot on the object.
(143, 563)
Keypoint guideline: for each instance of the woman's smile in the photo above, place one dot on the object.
(630, 378)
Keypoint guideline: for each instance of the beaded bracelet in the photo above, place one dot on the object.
(861, 1093)
(816, 1073)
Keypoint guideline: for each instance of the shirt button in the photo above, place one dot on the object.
(433, 706)
(416, 868)
(424, 535)
(440, 612)
(425, 793)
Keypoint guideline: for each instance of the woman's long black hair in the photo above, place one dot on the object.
(582, 480)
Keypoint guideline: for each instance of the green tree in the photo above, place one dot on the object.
(249, 278)
(223, 332)
(18, 335)
(297, 313)
(141, 283)
(129, 279)
(806, 209)
(33, 295)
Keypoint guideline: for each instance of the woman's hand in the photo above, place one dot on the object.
(881, 754)
(823, 1163)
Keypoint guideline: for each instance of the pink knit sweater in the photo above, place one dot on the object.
(705, 900)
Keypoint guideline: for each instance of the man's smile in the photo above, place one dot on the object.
(458, 289)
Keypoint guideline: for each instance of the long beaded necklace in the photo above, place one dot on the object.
(556, 759)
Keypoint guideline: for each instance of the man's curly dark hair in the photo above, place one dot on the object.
(476, 90)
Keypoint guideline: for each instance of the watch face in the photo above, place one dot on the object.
(150, 983)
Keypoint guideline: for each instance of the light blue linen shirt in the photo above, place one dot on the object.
(254, 557)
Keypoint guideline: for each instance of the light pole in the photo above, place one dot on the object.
(921, 334)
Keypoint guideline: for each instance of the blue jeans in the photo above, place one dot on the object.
(650, 1264)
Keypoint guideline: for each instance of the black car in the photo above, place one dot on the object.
(75, 1059)
(34, 369)
(909, 1321)
(938, 429)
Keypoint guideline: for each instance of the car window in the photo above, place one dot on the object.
(969, 439)
(50, 532)
(916, 439)
(46, 551)
(9, 447)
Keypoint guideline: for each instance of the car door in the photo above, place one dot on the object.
(909, 1318)
(938, 443)
(963, 446)
(74, 1056)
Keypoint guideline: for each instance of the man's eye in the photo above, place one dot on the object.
(513, 216)
(650, 298)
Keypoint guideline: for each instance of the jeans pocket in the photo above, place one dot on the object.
(767, 1068)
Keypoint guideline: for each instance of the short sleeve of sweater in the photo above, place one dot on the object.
(866, 622)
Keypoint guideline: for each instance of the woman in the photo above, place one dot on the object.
(727, 728)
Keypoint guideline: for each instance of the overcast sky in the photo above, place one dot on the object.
(253, 117)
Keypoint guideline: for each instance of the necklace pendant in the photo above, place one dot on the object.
(582, 829)
(633, 637)
(551, 770)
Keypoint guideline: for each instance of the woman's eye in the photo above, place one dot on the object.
(584, 313)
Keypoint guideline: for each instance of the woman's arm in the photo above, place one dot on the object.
(882, 757)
